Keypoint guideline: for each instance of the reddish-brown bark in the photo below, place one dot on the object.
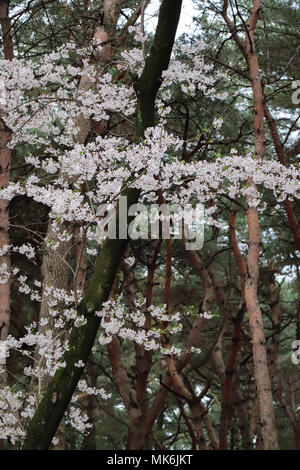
(5, 161)
(8, 47)
(260, 362)
(274, 291)
(291, 410)
(227, 387)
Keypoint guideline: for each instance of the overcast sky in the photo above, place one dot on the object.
(187, 13)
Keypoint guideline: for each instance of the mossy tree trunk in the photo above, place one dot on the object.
(60, 389)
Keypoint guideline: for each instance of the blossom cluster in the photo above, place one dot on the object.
(126, 323)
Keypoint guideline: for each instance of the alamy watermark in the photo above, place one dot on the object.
(152, 221)
(2, 353)
(296, 352)
(296, 94)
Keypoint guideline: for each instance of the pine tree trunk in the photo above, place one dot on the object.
(5, 161)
